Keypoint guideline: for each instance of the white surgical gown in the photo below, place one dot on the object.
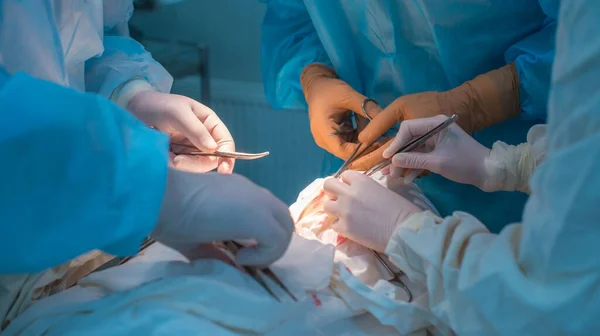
(78, 172)
(539, 277)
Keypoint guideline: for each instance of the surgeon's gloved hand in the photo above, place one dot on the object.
(451, 153)
(458, 157)
(367, 212)
(204, 208)
(186, 121)
(330, 101)
(487, 100)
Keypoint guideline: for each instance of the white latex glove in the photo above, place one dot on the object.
(452, 153)
(367, 212)
(185, 120)
(204, 208)
(458, 157)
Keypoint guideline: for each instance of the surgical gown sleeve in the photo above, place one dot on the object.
(123, 58)
(533, 57)
(539, 277)
(289, 43)
(78, 173)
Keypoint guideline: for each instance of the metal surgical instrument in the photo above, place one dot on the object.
(221, 154)
(395, 275)
(257, 273)
(413, 144)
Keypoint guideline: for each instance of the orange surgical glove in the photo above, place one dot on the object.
(330, 102)
(487, 100)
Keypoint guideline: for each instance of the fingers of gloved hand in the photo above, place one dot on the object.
(417, 161)
(412, 174)
(281, 212)
(351, 177)
(271, 245)
(195, 164)
(332, 207)
(371, 240)
(225, 165)
(407, 175)
(334, 188)
(272, 231)
(387, 171)
(215, 126)
(192, 128)
(219, 133)
(373, 157)
(411, 129)
(361, 123)
(381, 123)
(349, 99)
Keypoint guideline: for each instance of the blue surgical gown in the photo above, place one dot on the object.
(78, 173)
(386, 49)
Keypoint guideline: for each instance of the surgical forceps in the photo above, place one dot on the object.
(256, 273)
(413, 144)
(221, 154)
(232, 247)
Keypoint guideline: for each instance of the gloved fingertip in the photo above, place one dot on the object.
(329, 184)
(412, 175)
(399, 160)
(210, 144)
(386, 171)
(180, 160)
(389, 152)
(351, 176)
(225, 167)
(194, 164)
(396, 172)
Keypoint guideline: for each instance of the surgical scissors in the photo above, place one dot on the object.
(256, 273)
(221, 154)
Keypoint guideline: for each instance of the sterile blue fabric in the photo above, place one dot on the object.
(386, 49)
(80, 44)
(539, 277)
(79, 172)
